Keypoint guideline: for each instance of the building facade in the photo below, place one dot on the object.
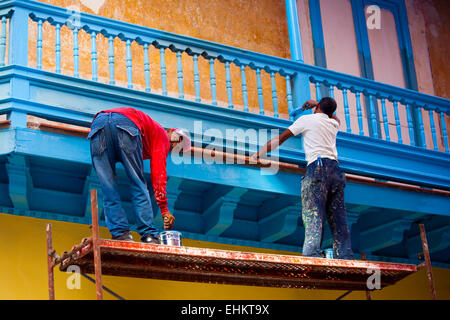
(232, 74)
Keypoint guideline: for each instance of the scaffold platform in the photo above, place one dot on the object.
(180, 263)
(98, 256)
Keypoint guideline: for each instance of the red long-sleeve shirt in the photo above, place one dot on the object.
(155, 146)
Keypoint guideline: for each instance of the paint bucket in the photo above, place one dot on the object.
(329, 253)
(170, 238)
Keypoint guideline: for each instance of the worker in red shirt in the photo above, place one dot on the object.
(130, 136)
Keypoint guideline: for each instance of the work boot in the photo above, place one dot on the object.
(126, 236)
(150, 239)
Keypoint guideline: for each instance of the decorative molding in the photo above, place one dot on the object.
(280, 224)
(352, 219)
(438, 239)
(384, 235)
(220, 214)
(19, 181)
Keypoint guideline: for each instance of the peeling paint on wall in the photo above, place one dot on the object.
(256, 25)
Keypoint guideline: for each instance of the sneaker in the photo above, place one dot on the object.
(150, 239)
(126, 236)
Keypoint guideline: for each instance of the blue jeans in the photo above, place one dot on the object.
(114, 138)
(323, 196)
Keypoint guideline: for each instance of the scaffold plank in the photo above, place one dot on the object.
(180, 263)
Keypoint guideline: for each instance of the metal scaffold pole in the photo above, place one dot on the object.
(426, 255)
(368, 294)
(95, 245)
(51, 283)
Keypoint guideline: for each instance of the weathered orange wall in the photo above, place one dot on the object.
(437, 16)
(430, 36)
(257, 25)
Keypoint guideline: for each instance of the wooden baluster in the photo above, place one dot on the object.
(410, 124)
(433, 130)
(180, 75)
(385, 119)
(229, 87)
(111, 60)
(397, 122)
(289, 97)
(274, 94)
(58, 48)
(331, 88)
(260, 91)
(162, 63)
(38, 45)
(244, 88)
(422, 140)
(346, 110)
(444, 131)
(196, 78)
(146, 69)
(317, 86)
(129, 65)
(212, 78)
(373, 118)
(94, 55)
(359, 113)
(76, 58)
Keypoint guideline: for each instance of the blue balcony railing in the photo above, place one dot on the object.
(280, 71)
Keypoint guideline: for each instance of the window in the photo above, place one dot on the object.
(344, 43)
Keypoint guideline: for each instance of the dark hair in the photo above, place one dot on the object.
(328, 106)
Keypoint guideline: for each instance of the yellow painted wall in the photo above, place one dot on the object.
(23, 272)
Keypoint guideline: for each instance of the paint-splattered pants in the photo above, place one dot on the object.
(323, 196)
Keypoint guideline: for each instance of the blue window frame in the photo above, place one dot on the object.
(398, 9)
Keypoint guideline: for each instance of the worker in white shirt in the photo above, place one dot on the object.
(323, 185)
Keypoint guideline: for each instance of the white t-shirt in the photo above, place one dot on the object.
(319, 135)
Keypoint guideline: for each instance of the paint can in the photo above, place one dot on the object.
(329, 253)
(170, 238)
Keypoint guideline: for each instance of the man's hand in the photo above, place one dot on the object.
(309, 104)
(254, 158)
(168, 219)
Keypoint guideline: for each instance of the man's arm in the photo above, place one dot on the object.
(159, 181)
(296, 128)
(272, 144)
(310, 104)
